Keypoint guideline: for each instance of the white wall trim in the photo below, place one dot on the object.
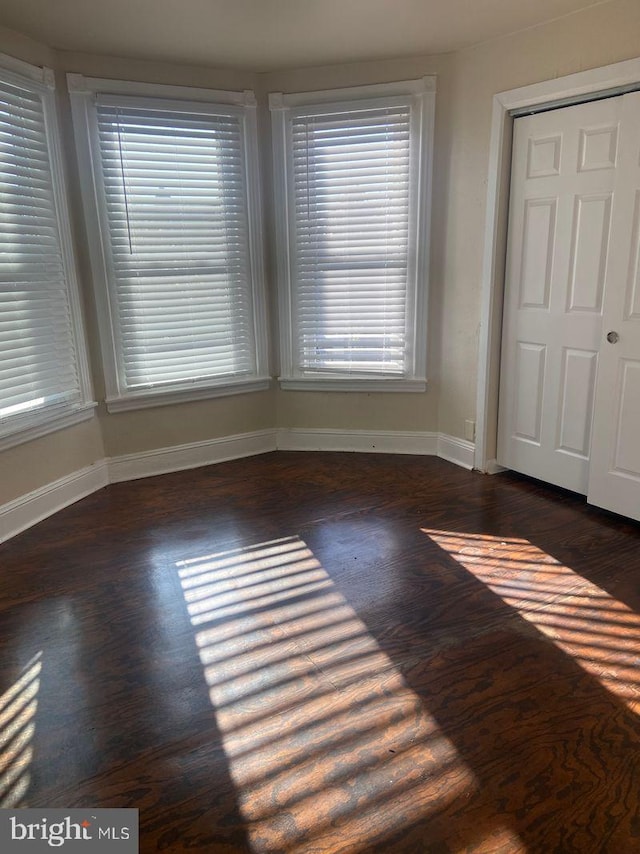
(319, 383)
(193, 455)
(23, 512)
(450, 448)
(454, 450)
(85, 85)
(149, 401)
(280, 101)
(41, 75)
(362, 441)
(457, 451)
(574, 86)
(44, 422)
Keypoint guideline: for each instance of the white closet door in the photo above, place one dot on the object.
(562, 197)
(614, 480)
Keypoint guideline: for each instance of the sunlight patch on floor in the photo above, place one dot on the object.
(324, 737)
(18, 706)
(599, 632)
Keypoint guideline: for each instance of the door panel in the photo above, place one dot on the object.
(538, 237)
(530, 374)
(561, 208)
(598, 148)
(614, 480)
(589, 250)
(576, 401)
(543, 160)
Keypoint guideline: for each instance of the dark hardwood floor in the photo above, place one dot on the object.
(329, 653)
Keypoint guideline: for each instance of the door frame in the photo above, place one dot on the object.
(563, 91)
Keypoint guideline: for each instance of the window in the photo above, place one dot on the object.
(352, 173)
(44, 381)
(177, 254)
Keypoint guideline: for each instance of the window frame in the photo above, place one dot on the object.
(420, 95)
(40, 422)
(83, 92)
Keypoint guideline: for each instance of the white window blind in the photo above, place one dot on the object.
(178, 248)
(39, 368)
(352, 192)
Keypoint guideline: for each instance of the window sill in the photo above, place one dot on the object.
(331, 384)
(149, 400)
(47, 423)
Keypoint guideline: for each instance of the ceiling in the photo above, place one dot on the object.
(262, 35)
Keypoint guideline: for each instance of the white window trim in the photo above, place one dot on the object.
(40, 423)
(83, 91)
(423, 92)
(31, 428)
(138, 400)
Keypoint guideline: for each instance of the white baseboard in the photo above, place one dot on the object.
(20, 514)
(362, 441)
(193, 455)
(23, 512)
(458, 451)
(182, 457)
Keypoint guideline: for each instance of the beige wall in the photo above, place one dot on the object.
(22, 47)
(196, 421)
(31, 465)
(466, 83)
